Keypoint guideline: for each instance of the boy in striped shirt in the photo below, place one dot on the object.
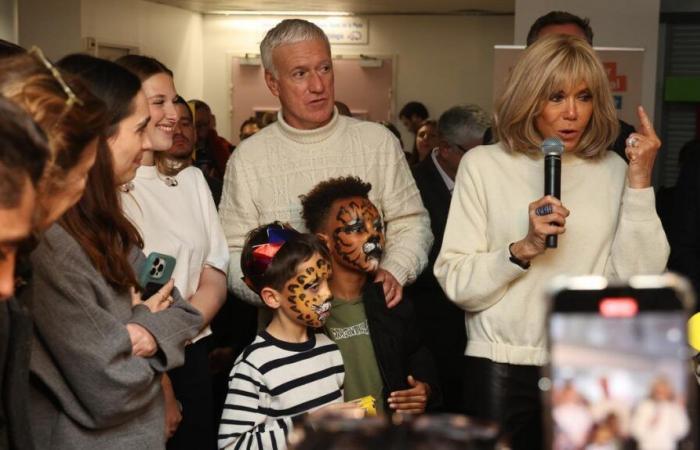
(288, 371)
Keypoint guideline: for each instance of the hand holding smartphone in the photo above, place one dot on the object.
(155, 273)
(619, 373)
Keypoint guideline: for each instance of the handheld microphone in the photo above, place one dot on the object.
(552, 147)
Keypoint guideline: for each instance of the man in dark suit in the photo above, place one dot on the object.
(442, 323)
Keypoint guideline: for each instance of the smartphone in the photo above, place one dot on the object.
(156, 271)
(620, 373)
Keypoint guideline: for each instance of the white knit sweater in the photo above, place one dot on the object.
(270, 170)
(612, 230)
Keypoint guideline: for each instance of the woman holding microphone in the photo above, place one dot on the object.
(494, 263)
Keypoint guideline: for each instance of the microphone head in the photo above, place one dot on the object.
(552, 146)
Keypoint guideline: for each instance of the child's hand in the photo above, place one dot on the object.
(348, 410)
(411, 401)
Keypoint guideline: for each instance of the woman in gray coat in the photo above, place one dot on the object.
(99, 351)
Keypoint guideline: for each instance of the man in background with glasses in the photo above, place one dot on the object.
(460, 129)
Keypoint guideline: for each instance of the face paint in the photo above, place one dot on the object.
(308, 295)
(358, 234)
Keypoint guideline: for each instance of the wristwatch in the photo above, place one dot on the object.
(517, 261)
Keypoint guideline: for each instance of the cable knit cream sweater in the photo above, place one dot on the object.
(270, 170)
(612, 230)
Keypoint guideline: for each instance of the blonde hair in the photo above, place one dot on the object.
(551, 64)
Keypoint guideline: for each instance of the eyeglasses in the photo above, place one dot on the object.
(72, 98)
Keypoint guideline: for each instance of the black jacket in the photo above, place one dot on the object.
(685, 225)
(15, 346)
(443, 324)
(398, 345)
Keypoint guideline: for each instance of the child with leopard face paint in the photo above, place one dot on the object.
(384, 357)
(289, 371)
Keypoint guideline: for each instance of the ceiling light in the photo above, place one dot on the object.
(282, 13)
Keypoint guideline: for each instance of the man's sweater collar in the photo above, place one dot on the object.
(308, 136)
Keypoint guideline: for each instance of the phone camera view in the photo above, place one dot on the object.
(158, 268)
(618, 378)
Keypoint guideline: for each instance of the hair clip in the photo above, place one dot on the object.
(277, 235)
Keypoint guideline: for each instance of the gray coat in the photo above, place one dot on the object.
(87, 390)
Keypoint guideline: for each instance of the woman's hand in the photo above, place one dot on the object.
(641, 152)
(142, 341)
(540, 227)
(157, 302)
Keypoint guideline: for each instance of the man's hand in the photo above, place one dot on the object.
(411, 401)
(393, 291)
(142, 341)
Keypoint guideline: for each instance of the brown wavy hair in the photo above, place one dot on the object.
(97, 221)
(25, 81)
(552, 63)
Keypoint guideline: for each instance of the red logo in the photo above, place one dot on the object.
(618, 83)
(618, 307)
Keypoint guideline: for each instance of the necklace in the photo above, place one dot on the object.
(169, 181)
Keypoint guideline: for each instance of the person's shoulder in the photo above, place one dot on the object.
(58, 250)
(424, 167)
(481, 157)
(192, 174)
(488, 152)
(256, 353)
(368, 130)
(250, 150)
(614, 162)
(322, 340)
(57, 240)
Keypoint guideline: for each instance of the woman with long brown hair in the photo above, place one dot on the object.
(68, 119)
(171, 205)
(98, 349)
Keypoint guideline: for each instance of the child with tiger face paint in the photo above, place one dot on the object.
(383, 355)
(357, 240)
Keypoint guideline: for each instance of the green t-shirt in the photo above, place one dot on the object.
(347, 327)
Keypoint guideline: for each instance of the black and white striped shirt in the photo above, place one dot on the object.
(274, 382)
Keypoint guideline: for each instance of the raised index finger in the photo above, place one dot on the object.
(645, 126)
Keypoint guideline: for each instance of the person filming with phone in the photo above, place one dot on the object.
(495, 263)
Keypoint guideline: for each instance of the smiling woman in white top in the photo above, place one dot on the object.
(171, 205)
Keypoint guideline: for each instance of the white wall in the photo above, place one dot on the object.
(442, 60)
(53, 26)
(172, 35)
(8, 20)
(618, 23)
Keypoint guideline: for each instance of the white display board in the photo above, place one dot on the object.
(623, 65)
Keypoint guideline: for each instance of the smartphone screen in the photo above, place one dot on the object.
(620, 374)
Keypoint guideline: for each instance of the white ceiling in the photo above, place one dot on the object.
(468, 7)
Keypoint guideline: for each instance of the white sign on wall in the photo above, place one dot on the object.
(622, 65)
(344, 30)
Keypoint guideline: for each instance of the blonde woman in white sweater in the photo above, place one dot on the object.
(493, 262)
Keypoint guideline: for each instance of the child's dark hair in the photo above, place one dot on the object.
(317, 203)
(298, 248)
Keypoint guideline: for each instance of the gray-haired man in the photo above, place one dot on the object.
(309, 143)
(442, 323)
